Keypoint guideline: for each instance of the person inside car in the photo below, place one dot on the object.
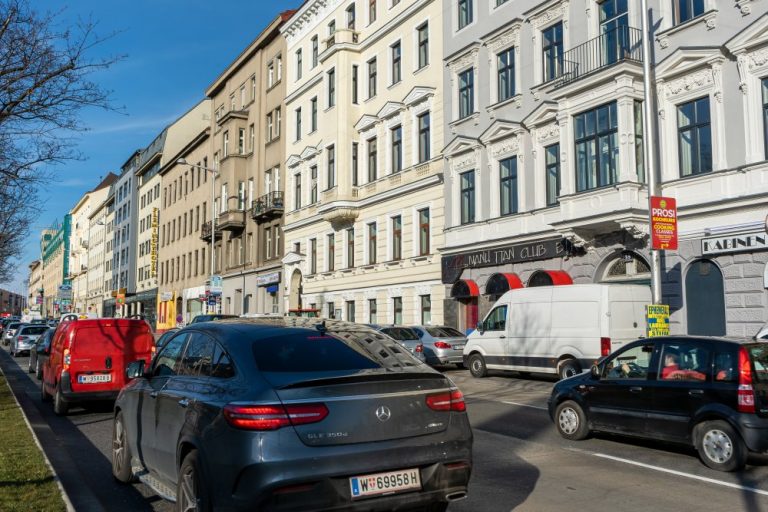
(672, 370)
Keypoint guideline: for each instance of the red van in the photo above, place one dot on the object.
(88, 359)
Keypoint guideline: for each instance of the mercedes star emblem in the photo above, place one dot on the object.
(383, 413)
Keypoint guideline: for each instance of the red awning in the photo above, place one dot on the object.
(550, 278)
(500, 283)
(464, 289)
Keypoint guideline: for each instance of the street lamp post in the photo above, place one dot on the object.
(214, 172)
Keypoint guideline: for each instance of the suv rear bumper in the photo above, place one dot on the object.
(754, 431)
(79, 396)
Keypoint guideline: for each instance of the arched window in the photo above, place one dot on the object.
(628, 268)
(705, 299)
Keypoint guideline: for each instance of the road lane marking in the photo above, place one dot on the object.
(685, 475)
(524, 405)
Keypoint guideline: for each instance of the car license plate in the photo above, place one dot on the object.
(91, 379)
(384, 483)
(458, 347)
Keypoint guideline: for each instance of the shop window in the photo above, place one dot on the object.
(705, 299)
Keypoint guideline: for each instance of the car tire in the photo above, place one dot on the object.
(720, 446)
(44, 396)
(477, 366)
(571, 422)
(121, 452)
(568, 368)
(30, 368)
(38, 370)
(60, 407)
(191, 494)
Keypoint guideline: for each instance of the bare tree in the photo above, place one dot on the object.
(45, 83)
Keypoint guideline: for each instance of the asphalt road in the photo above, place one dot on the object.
(520, 462)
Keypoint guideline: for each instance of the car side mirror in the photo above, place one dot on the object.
(595, 371)
(480, 327)
(135, 369)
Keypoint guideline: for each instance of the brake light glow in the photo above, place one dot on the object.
(746, 394)
(273, 416)
(442, 344)
(419, 348)
(605, 346)
(452, 400)
(67, 359)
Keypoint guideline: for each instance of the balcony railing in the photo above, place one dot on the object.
(621, 44)
(268, 206)
(205, 231)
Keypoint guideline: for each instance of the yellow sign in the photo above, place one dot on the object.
(657, 318)
(153, 242)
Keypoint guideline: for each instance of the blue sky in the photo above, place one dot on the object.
(174, 49)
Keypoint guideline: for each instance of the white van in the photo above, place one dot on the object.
(557, 329)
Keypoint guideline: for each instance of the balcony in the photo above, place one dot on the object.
(205, 232)
(232, 220)
(621, 44)
(268, 206)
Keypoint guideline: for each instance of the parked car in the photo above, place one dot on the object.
(561, 330)
(210, 318)
(25, 338)
(39, 353)
(88, 359)
(442, 345)
(9, 332)
(706, 392)
(406, 337)
(163, 339)
(343, 417)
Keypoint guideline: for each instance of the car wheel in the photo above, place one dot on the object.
(477, 366)
(44, 396)
(121, 452)
(720, 446)
(30, 368)
(60, 407)
(571, 421)
(568, 368)
(38, 370)
(190, 491)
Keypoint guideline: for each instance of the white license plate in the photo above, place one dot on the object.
(458, 347)
(90, 379)
(384, 483)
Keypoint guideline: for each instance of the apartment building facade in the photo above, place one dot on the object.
(97, 256)
(55, 253)
(364, 178)
(545, 176)
(35, 286)
(11, 303)
(248, 146)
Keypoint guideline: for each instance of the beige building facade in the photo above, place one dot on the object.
(97, 257)
(35, 285)
(364, 201)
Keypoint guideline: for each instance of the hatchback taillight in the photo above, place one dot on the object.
(605, 346)
(746, 394)
(67, 359)
(273, 416)
(442, 344)
(452, 400)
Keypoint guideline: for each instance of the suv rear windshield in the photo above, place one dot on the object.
(444, 332)
(759, 355)
(309, 351)
(34, 330)
(400, 333)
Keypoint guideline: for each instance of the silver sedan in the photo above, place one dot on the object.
(442, 344)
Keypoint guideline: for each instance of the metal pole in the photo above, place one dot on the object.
(213, 228)
(649, 144)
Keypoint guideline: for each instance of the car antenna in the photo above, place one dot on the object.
(322, 329)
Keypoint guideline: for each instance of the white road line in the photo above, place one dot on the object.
(524, 405)
(686, 475)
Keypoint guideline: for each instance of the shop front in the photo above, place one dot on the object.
(193, 303)
(166, 311)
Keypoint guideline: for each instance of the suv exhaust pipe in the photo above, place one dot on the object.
(456, 496)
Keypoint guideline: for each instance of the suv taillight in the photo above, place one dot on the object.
(746, 394)
(452, 400)
(442, 344)
(419, 348)
(605, 346)
(273, 416)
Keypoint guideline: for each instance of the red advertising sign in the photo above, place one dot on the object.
(663, 224)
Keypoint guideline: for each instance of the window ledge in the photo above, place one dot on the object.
(393, 85)
(370, 266)
(392, 263)
(474, 116)
(517, 100)
(421, 69)
(347, 270)
(275, 84)
(709, 18)
(423, 257)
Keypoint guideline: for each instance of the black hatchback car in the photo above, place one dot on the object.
(292, 414)
(706, 392)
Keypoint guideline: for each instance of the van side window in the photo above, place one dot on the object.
(166, 363)
(497, 319)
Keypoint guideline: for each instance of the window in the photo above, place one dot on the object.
(314, 51)
(597, 147)
(371, 11)
(267, 243)
(331, 311)
(423, 38)
(351, 17)
(466, 93)
(269, 127)
(496, 319)
(372, 312)
(313, 113)
(331, 34)
(372, 78)
(397, 238)
(226, 143)
(396, 62)
(397, 310)
(350, 247)
(467, 180)
(765, 115)
(552, 50)
(297, 191)
(371, 243)
(397, 149)
(298, 123)
(424, 137)
(687, 9)
(505, 62)
(694, 137)
(298, 64)
(331, 252)
(426, 309)
(313, 184)
(423, 232)
(465, 13)
(331, 88)
(684, 361)
(632, 363)
(552, 169)
(354, 84)
(270, 74)
(313, 256)
(278, 119)
(508, 186)
(614, 30)
(355, 159)
(372, 157)
(639, 147)
(251, 140)
(705, 299)
(240, 197)
(253, 88)
(331, 177)
(350, 316)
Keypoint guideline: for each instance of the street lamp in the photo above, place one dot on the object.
(214, 172)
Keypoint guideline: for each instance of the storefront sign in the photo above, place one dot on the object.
(153, 242)
(165, 296)
(216, 286)
(657, 316)
(268, 279)
(120, 298)
(65, 292)
(736, 243)
(452, 266)
(663, 223)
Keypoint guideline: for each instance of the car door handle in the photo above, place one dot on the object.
(635, 389)
(696, 392)
(184, 402)
(153, 394)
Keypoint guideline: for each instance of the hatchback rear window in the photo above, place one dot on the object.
(34, 331)
(400, 333)
(759, 355)
(307, 351)
(444, 332)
